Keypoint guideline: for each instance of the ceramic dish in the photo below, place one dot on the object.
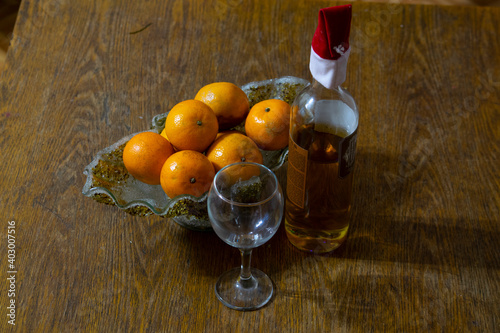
(108, 181)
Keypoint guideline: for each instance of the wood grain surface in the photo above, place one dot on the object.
(423, 250)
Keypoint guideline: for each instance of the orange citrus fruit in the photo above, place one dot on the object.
(268, 124)
(243, 172)
(240, 172)
(191, 125)
(144, 156)
(226, 132)
(187, 172)
(164, 134)
(228, 101)
(231, 148)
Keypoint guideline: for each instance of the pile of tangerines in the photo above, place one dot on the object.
(198, 139)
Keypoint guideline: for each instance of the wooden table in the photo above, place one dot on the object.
(423, 252)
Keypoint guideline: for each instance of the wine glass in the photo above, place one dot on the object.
(245, 207)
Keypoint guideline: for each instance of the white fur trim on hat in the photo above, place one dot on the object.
(330, 73)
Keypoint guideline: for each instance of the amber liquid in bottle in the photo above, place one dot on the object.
(318, 202)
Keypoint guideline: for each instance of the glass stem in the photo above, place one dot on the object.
(246, 256)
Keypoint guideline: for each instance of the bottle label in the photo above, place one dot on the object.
(347, 151)
(296, 175)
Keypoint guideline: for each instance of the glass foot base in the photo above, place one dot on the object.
(244, 294)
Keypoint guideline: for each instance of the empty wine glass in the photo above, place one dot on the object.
(245, 206)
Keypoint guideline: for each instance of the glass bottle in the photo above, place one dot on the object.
(323, 130)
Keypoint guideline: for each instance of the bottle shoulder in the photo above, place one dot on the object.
(333, 107)
(317, 92)
(311, 95)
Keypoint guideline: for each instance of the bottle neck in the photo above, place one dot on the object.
(322, 92)
(318, 86)
(319, 92)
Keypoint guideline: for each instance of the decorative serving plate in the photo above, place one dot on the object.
(108, 181)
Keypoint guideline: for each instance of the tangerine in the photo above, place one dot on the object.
(163, 133)
(226, 132)
(191, 125)
(227, 100)
(187, 172)
(231, 148)
(144, 156)
(268, 124)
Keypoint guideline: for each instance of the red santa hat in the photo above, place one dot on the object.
(330, 46)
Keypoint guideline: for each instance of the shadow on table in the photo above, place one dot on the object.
(374, 233)
(444, 242)
(396, 219)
